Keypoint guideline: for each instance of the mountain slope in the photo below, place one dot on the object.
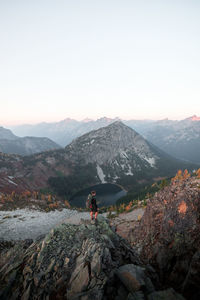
(7, 134)
(116, 145)
(10, 143)
(113, 154)
(117, 150)
(180, 139)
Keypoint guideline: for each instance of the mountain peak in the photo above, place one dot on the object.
(7, 134)
(193, 118)
(120, 126)
(115, 144)
(67, 120)
(118, 123)
(108, 120)
(87, 120)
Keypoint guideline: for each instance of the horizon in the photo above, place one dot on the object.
(136, 60)
(94, 119)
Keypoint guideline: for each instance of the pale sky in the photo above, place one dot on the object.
(132, 59)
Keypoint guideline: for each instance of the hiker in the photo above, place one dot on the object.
(92, 204)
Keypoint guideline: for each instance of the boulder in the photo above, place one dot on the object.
(168, 294)
(134, 278)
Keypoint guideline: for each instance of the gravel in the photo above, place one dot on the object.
(24, 224)
(29, 224)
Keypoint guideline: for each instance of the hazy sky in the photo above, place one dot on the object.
(132, 59)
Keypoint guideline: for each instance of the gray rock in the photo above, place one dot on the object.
(134, 278)
(169, 294)
(79, 282)
(77, 263)
(136, 296)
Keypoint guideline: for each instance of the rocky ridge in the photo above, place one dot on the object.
(168, 235)
(85, 262)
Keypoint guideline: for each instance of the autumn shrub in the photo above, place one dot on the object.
(198, 173)
(180, 176)
(67, 204)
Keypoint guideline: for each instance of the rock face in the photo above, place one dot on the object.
(119, 153)
(85, 262)
(168, 235)
(114, 140)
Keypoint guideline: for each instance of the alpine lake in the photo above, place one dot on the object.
(106, 194)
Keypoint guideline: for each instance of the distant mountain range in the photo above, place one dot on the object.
(10, 143)
(112, 154)
(180, 139)
(62, 132)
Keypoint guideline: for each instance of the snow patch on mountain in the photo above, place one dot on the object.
(123, 154)
(101, 174)
(129, 172)
(10, 181)
(150, 160)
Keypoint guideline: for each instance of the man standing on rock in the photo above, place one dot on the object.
(92, 204)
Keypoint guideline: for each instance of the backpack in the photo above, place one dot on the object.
(88, 201)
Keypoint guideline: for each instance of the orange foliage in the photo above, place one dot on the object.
(27, 194)
(198, 173)
(49, 198)
(181, 175)
(186, 174)
(67, 204)
(13, 194)
(53, 205)
(182, 208)
(129, 206)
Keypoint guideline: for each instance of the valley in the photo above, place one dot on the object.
(114, 154)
